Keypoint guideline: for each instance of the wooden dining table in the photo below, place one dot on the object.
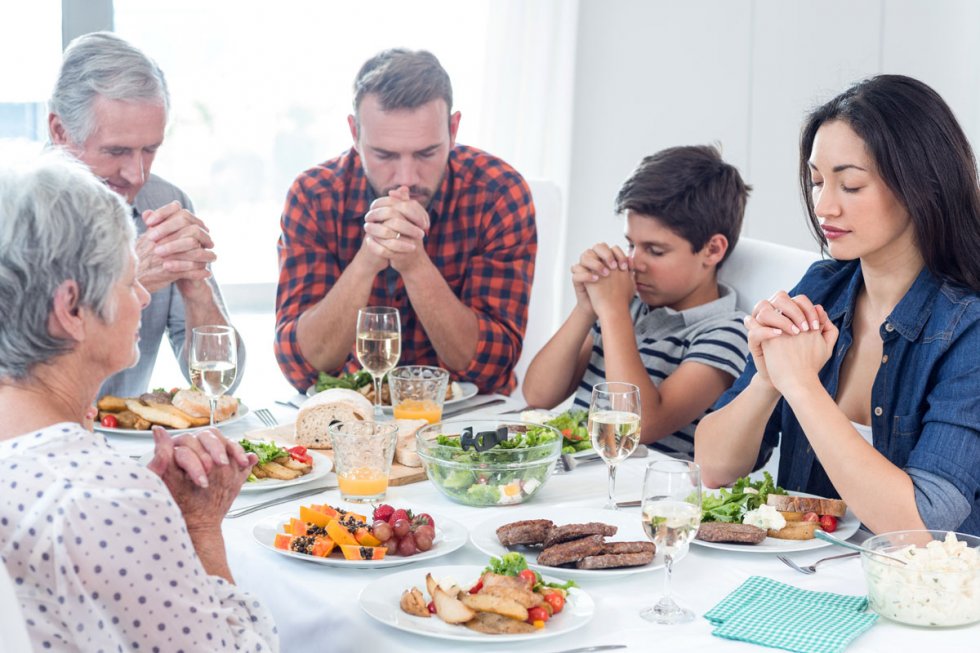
(317, 607)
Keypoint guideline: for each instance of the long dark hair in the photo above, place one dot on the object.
(925, 159)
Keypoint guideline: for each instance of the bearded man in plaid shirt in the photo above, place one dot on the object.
(407, 218)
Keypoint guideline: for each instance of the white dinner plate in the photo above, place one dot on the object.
(846, 527)
(242, 412)
(321, 467)
(380, 599)
(484, 537)
(450, 535)
(467, 391)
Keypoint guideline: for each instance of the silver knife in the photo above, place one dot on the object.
(589, 649)
(466, 409)
(239, 512)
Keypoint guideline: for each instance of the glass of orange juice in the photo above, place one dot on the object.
(418, 392)
(363, 452)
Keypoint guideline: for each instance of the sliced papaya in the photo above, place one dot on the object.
(282, 541)
(296, 526)
(365, 537)
(329, 511)
(339, 534)
(314, 517)
(322, 546)
(358, 552)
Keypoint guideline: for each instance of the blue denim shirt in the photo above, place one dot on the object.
(925, 400)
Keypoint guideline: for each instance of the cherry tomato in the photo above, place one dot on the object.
(811, 516)
(537, 614)
(299, 454)
(828, 523)
(431, 607)
(566, 432)
(529, 576)
(555, 600)
(110, 422)
(476, 588)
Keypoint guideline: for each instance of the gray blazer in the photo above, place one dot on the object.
(165, 311)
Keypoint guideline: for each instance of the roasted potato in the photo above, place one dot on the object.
(414, 603)
(504, 606)
(495, 624)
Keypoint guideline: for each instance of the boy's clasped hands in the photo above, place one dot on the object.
(790, 340)
(603, 279)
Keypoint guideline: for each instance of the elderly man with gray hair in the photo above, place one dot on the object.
(109, 109)
(105, 553)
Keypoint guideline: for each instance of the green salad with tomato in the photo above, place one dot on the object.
(574, 428)
(268, 452)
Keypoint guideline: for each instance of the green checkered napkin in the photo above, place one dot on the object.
(769, 613)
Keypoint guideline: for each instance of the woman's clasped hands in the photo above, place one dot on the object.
(790, 340)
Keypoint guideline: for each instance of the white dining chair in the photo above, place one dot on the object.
(758, 268)
(542, 316)
(13, 630)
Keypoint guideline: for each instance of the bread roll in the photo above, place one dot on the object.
(323, 409)
(786, 503)
(196, 404)
(406, 449)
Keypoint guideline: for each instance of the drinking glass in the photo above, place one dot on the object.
(418, 392)
(379, 345)
(362, 455)
(614, 426)
(671, 514)
(213, 361)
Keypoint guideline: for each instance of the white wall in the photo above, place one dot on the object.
(656, 73)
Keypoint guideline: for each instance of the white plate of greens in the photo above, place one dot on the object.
(321, 467)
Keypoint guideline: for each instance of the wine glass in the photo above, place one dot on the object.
(379, 345)
(671, 514)
(213, 361)
(614, 426)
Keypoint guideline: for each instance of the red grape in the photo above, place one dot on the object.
(382, 530)
(391, 546)
(406, 546)
(428, 530)
(422, 541)
(402, 527)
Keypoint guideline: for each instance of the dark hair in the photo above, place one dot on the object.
(692, 191)
(403, 79)
(924, 158)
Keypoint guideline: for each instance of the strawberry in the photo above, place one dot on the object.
(422, 519)
(383, 512)
(398, 514)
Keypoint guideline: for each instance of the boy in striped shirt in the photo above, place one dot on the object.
(655, 315)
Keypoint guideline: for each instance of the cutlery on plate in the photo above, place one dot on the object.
(635, 503)
(589, 649)
(288, 402)
(812, 569)
(571, 461)
(466, 409)
(239, 512)
(827, 537)
(266, 417)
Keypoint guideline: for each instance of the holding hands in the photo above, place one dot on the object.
(176, 247)
(396, 226)
(603, 279)
(790, 340)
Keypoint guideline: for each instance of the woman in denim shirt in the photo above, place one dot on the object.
(870, 367)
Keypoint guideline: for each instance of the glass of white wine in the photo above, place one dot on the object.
(614, 426)
(213, 361)
(378, 346)
(671, 514)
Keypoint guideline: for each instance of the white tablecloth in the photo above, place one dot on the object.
(316, 606)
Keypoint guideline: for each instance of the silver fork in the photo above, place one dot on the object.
(266, 417)
(571, 461)
(812, 569)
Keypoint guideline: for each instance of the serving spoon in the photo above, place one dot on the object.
(827, 537)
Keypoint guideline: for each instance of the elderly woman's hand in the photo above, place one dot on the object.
(219, 469)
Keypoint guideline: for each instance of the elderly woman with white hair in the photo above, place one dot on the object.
(104, 554)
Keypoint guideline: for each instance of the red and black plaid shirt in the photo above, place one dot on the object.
(482, 239)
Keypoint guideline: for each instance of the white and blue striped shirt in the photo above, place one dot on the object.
(712, 334)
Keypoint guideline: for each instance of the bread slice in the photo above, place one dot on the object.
(795, 530)
(163, 414)
(786, 503)
(405, 449)
(323, 409)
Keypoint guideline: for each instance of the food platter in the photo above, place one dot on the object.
(484, 538)
(380, 599)
(321, 467)
(450, 535)
(242, 412)
(467, 391)
(846, 527)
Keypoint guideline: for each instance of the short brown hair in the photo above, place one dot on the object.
(692, 191)
(403, 79)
